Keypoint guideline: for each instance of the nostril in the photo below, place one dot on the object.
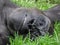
(29, 26)
(31, 22)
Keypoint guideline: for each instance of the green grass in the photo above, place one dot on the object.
(45, 40)
(39, 4)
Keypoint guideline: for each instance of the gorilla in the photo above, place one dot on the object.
(24, 20)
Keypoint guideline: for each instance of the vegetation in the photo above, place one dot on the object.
(45, 40)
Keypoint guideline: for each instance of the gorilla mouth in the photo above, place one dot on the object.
(39, 27)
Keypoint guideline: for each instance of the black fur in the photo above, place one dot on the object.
(24, 20)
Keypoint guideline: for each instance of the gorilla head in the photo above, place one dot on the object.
(25, 20)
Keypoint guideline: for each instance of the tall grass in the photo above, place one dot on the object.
(42, 40)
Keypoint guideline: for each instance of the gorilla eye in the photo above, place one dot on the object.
(41, 24)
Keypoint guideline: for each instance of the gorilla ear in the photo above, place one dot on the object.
(53, 13)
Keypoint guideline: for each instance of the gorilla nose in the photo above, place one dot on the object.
(39, 25)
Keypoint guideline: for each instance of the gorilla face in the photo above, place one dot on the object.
(25, 20)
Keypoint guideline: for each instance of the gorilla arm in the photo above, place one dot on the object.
(5, 10)
(4, 34)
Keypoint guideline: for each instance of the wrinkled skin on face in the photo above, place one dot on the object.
(25, 20)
